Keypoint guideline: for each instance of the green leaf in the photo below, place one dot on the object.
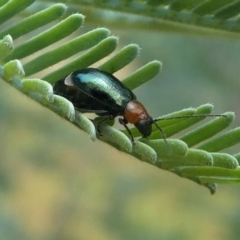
(12, 69)
(143, 75)
(115, 138)
(174, 149)
(38, 86)
(10, 8)
(35, 21)
(223, 141)
(121, 59)
(48, 37)
(144, 152)
(6, 46)
(193, 157)
(85, 124)
(208, 130)
(66, 50)
(186, 16)
(96, 53)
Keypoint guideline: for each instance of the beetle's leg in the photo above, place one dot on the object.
(82, 110)
(123, 122)
(103, 121)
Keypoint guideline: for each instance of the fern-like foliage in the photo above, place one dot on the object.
(202, 164)
(173, 14)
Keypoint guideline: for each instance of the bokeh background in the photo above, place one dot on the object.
(57, 184)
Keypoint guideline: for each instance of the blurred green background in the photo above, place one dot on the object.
(57, 184)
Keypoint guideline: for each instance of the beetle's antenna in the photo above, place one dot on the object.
(163, 135)
(181, 117)
(188, 116)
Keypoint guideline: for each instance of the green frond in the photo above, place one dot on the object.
(189, 16)
(203, 164)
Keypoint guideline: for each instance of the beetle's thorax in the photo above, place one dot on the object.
(134, 112)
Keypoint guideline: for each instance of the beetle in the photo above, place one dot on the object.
(95, 91)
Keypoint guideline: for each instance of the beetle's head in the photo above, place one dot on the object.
(144, 126)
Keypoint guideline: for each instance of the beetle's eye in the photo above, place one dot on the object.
(150, 120)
